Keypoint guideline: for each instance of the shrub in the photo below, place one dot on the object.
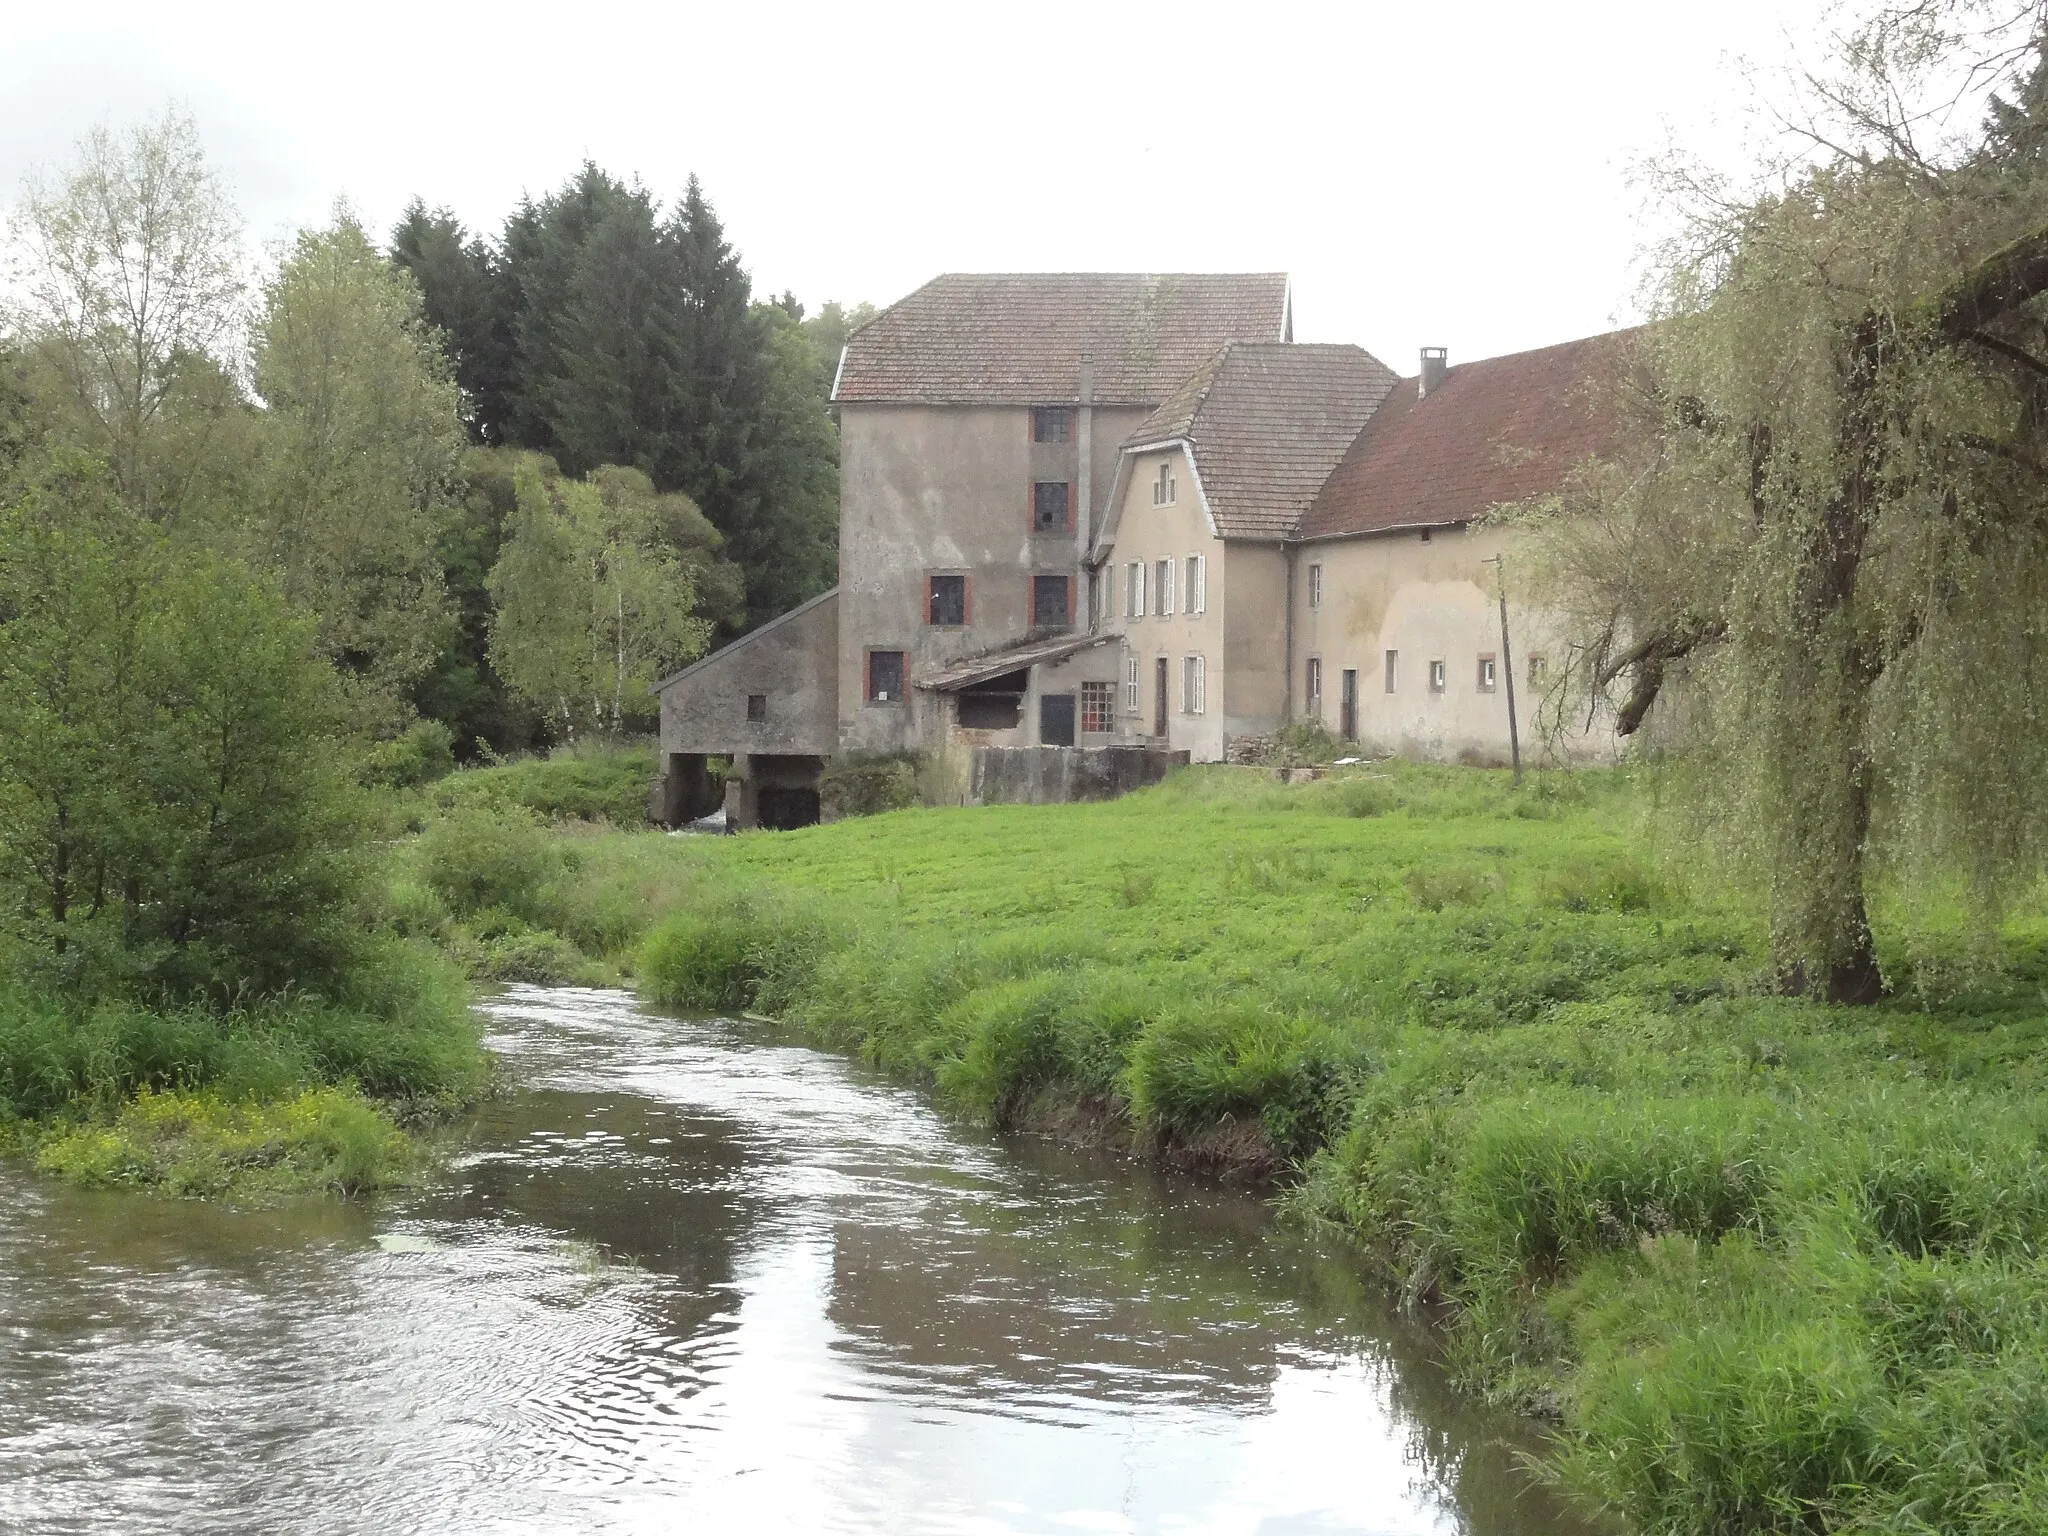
(598, 782)
(856, 785)
(475, 858)
(423, 754)
(734, 949)
(1435, 889)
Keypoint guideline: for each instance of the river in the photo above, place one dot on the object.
(687, 1275)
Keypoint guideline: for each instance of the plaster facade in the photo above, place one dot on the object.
(1160, 613)
(948, 490)
(1431, 600)
(787, 665)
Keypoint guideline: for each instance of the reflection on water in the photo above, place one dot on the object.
(688, 1277)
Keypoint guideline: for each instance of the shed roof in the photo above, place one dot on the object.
(1019, 338)
(1267, 423)
(1503, 430)
(976, 669)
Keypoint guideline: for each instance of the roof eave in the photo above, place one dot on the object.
(1369, 533)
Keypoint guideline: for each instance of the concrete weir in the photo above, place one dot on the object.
(1055, 775)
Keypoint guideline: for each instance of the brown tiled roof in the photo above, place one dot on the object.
(1267, 423)
(1019, 338)
(1503, 430)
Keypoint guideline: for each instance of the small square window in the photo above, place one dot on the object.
(885, 677)
(1486, 673)
(1052, 601)
(1315, 586)
(1436, 677)
(1539, 669)
(757, 707)
(1051, 507)
(948, 601)
(1425, 535)
(1049, 423)
(1098, 706)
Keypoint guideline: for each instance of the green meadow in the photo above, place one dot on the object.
(1768, 1266)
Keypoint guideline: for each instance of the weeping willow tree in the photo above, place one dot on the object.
(1819, 578)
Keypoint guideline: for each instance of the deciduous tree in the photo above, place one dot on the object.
(1831, 535)
(593, 602)
(362, 447)
(129, 295)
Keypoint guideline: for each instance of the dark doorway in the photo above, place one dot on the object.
(785, 809)
(1056, 720)
(1348, 718)
(1159, 698)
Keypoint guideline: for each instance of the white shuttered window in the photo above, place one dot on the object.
(1134, 590)
(1193, 686)
(1131, 685)
(1197, 589)
(1162, 574)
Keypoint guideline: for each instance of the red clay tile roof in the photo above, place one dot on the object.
(1019, 338)
(1503, 430)
(1267, 423)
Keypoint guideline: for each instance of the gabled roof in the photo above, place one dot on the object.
(1503, 430)
(1020, 338)
(1265, 424)
(830, 594)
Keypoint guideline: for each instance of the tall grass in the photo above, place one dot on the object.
(1774, 1267)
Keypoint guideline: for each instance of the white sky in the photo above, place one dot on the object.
(1429, 173)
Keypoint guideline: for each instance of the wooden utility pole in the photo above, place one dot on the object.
(1507, 665)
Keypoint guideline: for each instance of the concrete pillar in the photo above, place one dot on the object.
(742, 795)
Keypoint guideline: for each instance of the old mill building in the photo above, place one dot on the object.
(1129, 511)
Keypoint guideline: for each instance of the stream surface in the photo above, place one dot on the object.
(686, 1275)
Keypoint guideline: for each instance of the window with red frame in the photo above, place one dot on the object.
(1052, 507)
(1052, 601)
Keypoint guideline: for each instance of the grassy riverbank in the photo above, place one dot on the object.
(289, 1095)
(1772, 1266)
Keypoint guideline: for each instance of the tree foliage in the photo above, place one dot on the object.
(1830, 532)
(174, 814)
(361, 452)
(624, 334)
(463, 284)
(594, 596)
(128, 293)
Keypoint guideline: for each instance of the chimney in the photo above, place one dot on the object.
(1436, 362)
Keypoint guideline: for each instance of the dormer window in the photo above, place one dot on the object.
(1162, 488)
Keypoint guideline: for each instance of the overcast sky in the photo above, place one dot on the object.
(1437, 174)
